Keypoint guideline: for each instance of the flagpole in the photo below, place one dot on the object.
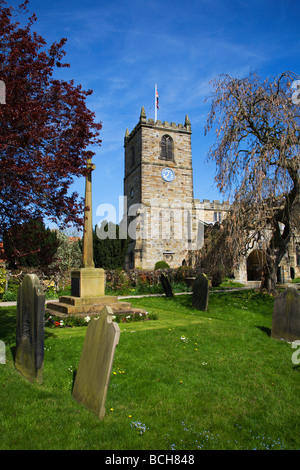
(155, 104)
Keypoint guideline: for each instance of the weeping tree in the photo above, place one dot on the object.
(256, 153)
(216, 254)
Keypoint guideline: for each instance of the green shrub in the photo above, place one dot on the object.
(2, 280)
(182, 273)
(180, 287)
(10, 296)
(217, 275)
(161, 265)
(146, 288)
(50, 293)
(13, 285)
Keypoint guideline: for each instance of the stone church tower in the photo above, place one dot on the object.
(158, 190)
(161, 216)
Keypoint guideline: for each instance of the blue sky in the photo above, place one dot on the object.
(121, 48)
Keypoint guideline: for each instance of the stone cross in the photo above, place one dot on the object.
(87, 246)
(29, 359)
(95, 364)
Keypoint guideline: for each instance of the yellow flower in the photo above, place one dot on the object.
(111, 409)
(129, 416)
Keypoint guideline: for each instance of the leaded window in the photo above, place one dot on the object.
(166, 148)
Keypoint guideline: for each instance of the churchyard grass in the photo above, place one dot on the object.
(188, 380)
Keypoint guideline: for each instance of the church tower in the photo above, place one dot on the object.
(158, 189)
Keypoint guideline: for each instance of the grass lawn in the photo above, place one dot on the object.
(189, 380)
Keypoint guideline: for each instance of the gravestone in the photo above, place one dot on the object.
(29, 358)
(166, 285)
(286, 315)
(94, 369)
(200, 293)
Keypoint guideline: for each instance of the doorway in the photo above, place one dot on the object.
(255, 263)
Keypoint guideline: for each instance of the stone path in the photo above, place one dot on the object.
(121, 297)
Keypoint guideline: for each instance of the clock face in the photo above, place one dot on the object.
(167, 174)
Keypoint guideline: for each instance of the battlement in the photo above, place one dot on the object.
(161, 125)
(214, 205)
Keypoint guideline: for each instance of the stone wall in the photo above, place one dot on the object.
(214, 211)
(135, 276)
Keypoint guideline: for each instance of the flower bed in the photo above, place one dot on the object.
(70, 321)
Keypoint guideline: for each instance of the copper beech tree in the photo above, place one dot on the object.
(46, 129)
(257, 165)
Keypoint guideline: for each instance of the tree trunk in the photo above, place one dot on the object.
(269, 277)
(274, 255)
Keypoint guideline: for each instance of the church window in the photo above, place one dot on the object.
(217, 217)
(166, 148)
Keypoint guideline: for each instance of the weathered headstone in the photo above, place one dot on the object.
(286, 315)
(29, 358)
(200, 293)
(166, 285)
(94, 369)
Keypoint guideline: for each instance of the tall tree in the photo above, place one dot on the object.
(257, 160)
(46, 129)
(30, 244)
(109, 252)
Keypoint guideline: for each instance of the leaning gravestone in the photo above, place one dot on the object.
(200, 293)
(94, 369)
(286, 315)
(166, 285)
(29, 358)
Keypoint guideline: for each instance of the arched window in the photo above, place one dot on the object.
(166, 148)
